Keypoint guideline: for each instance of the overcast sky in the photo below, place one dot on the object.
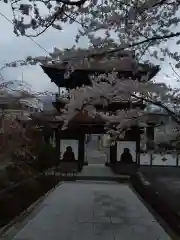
(14, 48)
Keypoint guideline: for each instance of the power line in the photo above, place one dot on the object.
(26, 36)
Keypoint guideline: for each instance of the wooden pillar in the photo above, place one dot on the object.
(113, 154)
(138, 151)
(150, 136)
(151, 159)
(57, 142)
(177, 159)
(81, 149)
(46, 134)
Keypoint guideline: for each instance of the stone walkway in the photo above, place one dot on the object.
(99, 172)
(96, 157)
(91, 211)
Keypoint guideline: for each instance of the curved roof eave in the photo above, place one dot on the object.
(56, 73)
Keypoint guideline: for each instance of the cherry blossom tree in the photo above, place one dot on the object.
(12, 130)
(110, 26)
(107, 88)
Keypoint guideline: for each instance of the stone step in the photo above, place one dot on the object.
(97, 172)
(121, 178)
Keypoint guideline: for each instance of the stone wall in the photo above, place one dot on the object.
(158, 159)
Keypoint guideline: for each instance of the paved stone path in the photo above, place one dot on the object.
(94, 155)
(96, 170)
(91, 211)
(99, 171)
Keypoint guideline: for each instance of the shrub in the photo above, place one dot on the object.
(47, 157)
(27, 193)
(47, 182)
(10, 207)
(4, 180)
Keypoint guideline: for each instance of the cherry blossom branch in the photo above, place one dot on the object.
(73, 3)
(54, 18)
(161, 105)
(177, 75)
(118, 49)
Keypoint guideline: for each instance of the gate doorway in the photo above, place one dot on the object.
(97, 150)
